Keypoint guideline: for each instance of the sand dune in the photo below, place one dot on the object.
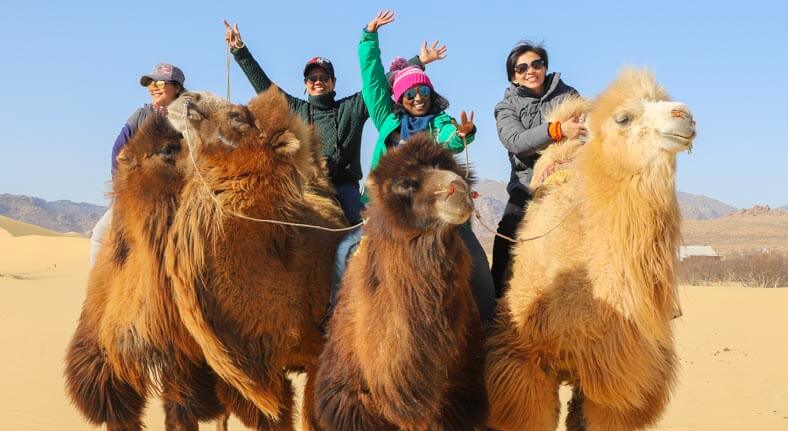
(732, 343)
(18, 228)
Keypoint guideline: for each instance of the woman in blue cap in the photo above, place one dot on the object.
(164, 85)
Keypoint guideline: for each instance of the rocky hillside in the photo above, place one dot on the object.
(59, 216)
(707, 221)
(752, 230)
(699, 207)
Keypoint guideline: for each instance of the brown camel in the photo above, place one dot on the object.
(129, 337)
(590, 303)
(251, 293)
(404, 344)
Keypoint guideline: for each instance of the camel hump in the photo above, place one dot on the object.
(573, 106)
(271, 111)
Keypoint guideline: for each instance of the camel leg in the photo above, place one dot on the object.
(522, 394)
(574, 419)
(97, 391)
(222, 423)
(601, 417)
(308, 419)
(466, 405)
(466, 409)
(190, 397)
(341, 400)
(250, 415)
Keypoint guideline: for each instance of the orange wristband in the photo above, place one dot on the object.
(554, 130)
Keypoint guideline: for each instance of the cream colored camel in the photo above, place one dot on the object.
(590, 303)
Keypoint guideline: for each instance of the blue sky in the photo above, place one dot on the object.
(70, 74)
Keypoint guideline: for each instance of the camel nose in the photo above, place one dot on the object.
(457, 186)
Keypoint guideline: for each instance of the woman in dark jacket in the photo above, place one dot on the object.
(338, 122)
(522, 129)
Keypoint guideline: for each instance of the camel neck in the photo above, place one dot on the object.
(635, 218)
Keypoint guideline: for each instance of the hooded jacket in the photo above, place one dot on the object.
(522, 128)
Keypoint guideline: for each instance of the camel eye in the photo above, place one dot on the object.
(622, 119)
(404, 186)
(169, 150)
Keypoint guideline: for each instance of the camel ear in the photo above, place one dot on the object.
(124, 158)
(286, 143)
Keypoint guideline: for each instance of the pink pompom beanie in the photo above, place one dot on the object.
(406, 77)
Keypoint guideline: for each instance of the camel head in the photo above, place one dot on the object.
(421, 186)
(152, 164)
(264, 137)
(637, 123)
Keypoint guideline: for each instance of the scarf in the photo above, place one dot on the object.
(410, 125)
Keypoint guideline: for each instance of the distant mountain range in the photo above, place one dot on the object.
(493, 197)
(67, 216)
(59, 216)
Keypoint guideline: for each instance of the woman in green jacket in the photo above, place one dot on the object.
(406, 105)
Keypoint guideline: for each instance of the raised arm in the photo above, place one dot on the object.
(375, 87)
(251, 68)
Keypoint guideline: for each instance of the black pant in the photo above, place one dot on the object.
(502, 248)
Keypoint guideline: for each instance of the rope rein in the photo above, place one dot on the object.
(187, 135)
(484, 225)
(228, 71)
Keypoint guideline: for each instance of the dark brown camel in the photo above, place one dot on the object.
(404, 344)
(129, 337)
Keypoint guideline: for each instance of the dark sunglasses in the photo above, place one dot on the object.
(423, 90)
(322, 77)
(537, 64)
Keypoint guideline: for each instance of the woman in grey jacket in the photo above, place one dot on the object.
(522, 129)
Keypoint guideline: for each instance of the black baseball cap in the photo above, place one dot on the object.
(319, 62)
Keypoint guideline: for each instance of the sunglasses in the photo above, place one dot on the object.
(317, 77)
(423, 90)
(158, 84)
(523, 67)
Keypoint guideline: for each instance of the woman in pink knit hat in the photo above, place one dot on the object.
(401, 105)
(406, 104)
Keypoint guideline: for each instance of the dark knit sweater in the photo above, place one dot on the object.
(338, 123)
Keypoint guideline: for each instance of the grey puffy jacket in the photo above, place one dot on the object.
(522, 129)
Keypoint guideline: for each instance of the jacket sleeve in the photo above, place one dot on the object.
(446, 134)
(132, 124)
(120, 141)
(375, 87)
(514, 136)
(257, 76)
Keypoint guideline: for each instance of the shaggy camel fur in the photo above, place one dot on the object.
(129, 330)
(404, 344)
(590, 303)
(252, 294)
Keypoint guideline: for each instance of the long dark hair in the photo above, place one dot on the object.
(439, 104)
(521, 48)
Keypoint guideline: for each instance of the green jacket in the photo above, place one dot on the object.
(338, 123)
(376, 91)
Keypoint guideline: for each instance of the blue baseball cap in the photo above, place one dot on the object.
(163, 72)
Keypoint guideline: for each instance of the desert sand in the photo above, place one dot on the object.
(732, 344)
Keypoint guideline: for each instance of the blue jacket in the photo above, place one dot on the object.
(132, 124)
